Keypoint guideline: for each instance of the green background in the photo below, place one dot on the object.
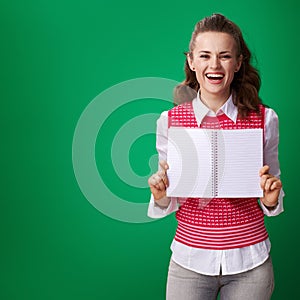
(56, 56)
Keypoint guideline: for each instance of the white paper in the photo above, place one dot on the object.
(209, 163)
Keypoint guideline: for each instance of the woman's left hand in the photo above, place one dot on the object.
(271, 186)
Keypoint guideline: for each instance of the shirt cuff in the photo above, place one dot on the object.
(274, 211)
(155, 211)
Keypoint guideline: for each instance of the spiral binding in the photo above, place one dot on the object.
(214, 161)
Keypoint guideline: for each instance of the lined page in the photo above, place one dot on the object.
(189, 159)
(240, 159)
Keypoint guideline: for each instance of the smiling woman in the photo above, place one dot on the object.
(221, 245)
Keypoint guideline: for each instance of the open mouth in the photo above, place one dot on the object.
(214, 76)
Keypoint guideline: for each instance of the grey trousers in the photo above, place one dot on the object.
(256, 284)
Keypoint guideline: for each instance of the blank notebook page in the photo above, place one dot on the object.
(208, 163)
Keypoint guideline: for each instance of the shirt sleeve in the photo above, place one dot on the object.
(271, 142)
(154, 210)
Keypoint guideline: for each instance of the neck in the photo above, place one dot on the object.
(214, 102)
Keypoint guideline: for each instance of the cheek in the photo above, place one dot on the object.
(232, 68)
(230, 72)
(199, 76)
(199, 65)
(199, 70)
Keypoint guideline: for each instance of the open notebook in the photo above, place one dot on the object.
(209, 163)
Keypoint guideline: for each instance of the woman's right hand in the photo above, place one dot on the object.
(158, 182)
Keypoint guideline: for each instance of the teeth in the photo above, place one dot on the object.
(214, 75)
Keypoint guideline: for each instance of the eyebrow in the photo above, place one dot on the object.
(222, 52)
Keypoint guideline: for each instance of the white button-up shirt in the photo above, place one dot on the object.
(232, 261)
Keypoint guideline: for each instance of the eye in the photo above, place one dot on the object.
(205, 56)
(225, 56)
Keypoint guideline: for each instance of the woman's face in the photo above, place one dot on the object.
(214, 59)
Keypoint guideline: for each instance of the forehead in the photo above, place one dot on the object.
(214, 41)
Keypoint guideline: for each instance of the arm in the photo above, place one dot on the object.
(272, 202)
(160, 205)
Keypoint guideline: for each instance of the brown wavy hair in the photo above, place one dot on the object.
(246, 82)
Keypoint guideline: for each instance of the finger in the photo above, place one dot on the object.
(157, 187)
(157, 180)
(164, 165)
(166, 181)
(269, 183)
(157, 194)
(153, 189)
(264, 170)
(152, 181)
(272, 183)
(164, 177)
(263, 180)
(161, 186)
(276, 185)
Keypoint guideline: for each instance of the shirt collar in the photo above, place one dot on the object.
(201, 110)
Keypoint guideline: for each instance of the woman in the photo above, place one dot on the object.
(221, 246)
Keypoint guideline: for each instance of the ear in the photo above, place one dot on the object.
(239, 63)
(190, 62)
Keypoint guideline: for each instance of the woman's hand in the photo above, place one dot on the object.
(158, 182)
(271, 186)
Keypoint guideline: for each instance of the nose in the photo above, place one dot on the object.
(215, 62)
